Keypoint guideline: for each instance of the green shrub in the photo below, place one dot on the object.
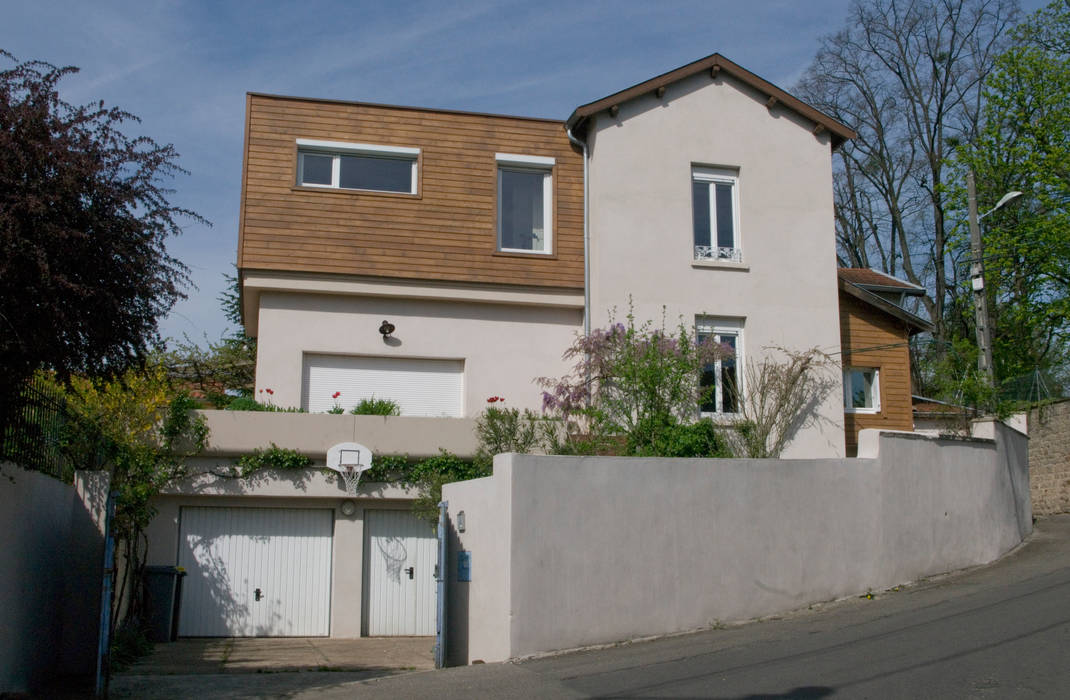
(700, 439)
(376, 407)
(247, 403)
(273, 457)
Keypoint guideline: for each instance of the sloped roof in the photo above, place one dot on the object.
(715, 64)
(873, 279)
(915, 323)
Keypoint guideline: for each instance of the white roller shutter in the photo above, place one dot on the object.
(255, 572)
(421, 387)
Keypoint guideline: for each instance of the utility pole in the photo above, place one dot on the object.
(977, 275)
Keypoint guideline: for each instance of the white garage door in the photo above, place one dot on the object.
(399, 574)
(255, 572)
(420, 387)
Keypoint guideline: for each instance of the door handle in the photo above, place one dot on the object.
(410, 571)
(258, 594)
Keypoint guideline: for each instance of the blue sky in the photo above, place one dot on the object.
(184, 68)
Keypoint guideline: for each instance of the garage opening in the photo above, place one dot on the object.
(399, 574)
(420, 387)
(255, 572)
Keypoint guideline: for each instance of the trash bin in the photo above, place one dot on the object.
(163, 594)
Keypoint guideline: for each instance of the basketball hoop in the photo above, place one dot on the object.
(350, 460)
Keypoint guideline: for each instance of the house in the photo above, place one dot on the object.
(875, 330)
(485, 243)
(437, 258)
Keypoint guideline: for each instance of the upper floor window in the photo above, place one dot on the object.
(721, 383)
(525, 203)
(357, 166)
(861, 390)
(715, 207)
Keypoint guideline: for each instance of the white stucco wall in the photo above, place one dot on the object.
(604, 549)
(504, 347)
(642, 237)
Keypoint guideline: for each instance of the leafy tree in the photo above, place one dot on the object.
(145, 430)
(906, 74)
(1024, 144)
(84, 216)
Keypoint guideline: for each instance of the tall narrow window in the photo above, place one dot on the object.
(721, 381)
(357, 166)
(525, 203)
(715, 214)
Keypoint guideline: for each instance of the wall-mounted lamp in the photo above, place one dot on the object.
(386, 329)
(460, 521)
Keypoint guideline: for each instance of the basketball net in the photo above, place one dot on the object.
(351, 477)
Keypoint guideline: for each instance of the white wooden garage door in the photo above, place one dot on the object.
(255, 572)
(399, 574)
(420, 387)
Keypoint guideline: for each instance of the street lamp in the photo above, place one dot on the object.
(977, 274)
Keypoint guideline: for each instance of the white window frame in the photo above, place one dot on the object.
(717, 327)
(876, 408)
(712, 252)
(525, 163)
(336, 149)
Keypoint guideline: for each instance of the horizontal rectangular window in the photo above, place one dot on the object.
(715, 214)
(357, 166)
(525, 203)
(861, 390)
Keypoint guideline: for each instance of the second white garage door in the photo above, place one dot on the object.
(255, 572)
(420, 387)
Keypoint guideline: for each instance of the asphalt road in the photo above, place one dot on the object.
(1001, 631)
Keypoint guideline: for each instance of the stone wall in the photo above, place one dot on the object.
(1049, 458)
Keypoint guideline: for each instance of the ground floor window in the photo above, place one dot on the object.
(721, 381)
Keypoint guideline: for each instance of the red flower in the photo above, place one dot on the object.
(336, 394)
(269, 391)
(493, 399)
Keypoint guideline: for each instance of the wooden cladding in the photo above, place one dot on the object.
(871, 338)
(445, 231)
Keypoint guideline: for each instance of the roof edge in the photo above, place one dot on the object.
(716, 63)
(864, 295)
(409, 108)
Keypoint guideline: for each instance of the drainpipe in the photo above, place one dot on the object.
(586, 237)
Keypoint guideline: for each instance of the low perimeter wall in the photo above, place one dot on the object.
(51, 566)
(573, 551)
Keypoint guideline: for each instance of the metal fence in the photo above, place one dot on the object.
(40, 434)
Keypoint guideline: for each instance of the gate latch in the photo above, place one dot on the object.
(258, 594)
(410, 572)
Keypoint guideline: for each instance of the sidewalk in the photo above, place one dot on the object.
(250, 667)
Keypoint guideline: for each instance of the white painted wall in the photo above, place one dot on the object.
(504, 347)
(641, 225)
(568, 552)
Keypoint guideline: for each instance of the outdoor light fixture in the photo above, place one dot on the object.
(460, 521)
(348, 508)
(386, 329)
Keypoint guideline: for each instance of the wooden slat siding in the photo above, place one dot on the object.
(447, 232)
(863, 326)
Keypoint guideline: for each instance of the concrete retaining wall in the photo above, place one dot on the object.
(1049, 458)
(241, 432)
(568, 552)
(51, 561)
